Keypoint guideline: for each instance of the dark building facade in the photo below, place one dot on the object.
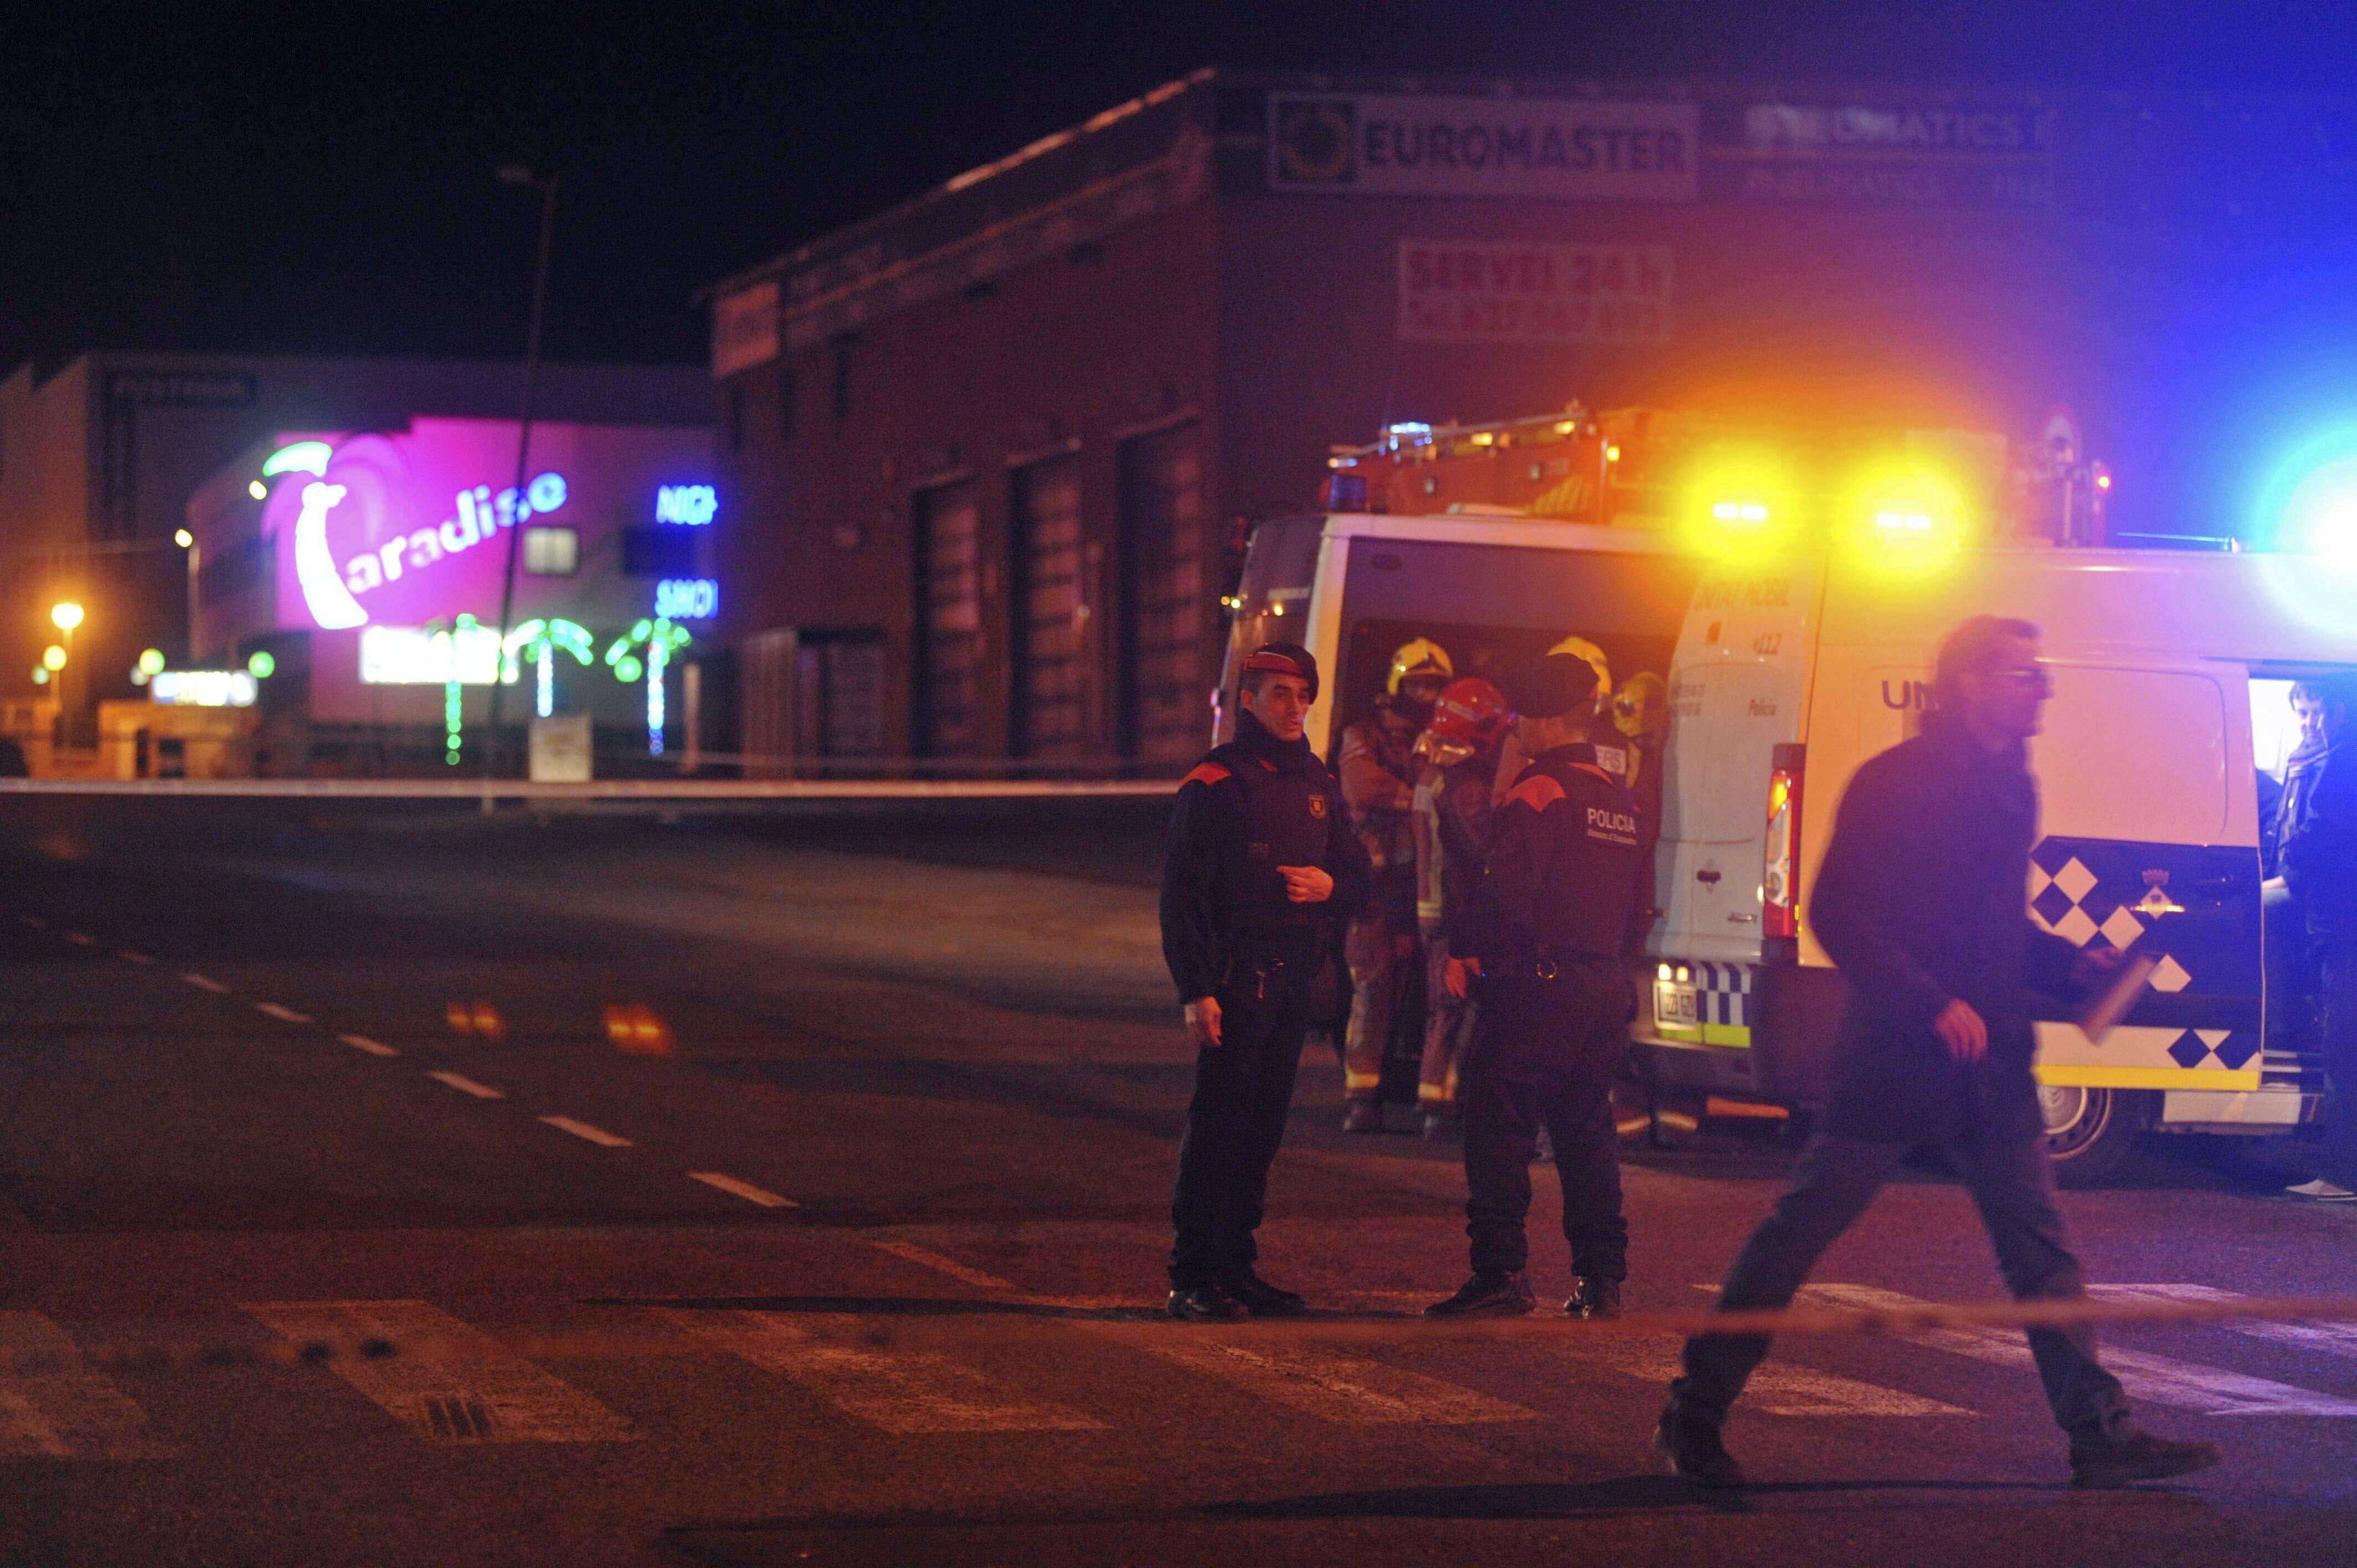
(992, 449)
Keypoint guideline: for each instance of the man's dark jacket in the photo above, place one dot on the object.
(1247, 807)
(1924, 897)
(2317, 843)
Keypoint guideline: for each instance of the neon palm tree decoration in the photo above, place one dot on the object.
(662, 639)
(448, 646)
(542, 639)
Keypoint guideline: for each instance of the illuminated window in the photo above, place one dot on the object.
(551, 552)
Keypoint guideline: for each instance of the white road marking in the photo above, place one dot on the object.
(203, 984)
(744, 1189)
(80, 940)
(465, 1085)
(2325, 1339)
(286, 1013)
(373, 1047)
(926, 1259)
(899, 1391)
(1778, 1388)
(132, 955)
(2156, 1379)
(1340, 1389)
(450, 1383)
(598, 1135)
(54, 1405)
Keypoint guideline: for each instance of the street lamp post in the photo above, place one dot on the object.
(66, 615)
(517, 174)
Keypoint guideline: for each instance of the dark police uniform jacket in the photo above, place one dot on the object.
(1566, 849)
(2317, 846)
(1924, 897)
(1248, 808)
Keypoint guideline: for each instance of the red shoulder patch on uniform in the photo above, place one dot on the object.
(1538, 792)
(1205, 773)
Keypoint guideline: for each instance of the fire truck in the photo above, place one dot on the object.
(1767, 602)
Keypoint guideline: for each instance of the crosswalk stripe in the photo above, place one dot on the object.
(2157, 1379)
(1779, 1388)
(456, 1385)
(1340, 1389)
(2324, 1339)
(54, 1405)
(899, 1391)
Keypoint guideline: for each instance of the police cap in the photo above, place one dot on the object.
(1551, 687)
(1284, 658)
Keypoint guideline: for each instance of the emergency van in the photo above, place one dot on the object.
(1788, 658)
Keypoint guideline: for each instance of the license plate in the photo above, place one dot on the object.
(1675, 1004)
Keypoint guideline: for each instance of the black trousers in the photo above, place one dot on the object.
(2336, 953)
(1544, 1054)
(2012, 1184)
(1235, 1124)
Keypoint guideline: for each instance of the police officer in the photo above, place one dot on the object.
(1262, 863)
(1544, 940)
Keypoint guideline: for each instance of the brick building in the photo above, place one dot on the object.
(990, 447)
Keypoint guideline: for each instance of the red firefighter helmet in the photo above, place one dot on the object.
(1470, 713)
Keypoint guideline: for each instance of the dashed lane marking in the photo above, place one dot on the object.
(204, 983)
(81, 940)
(465, 1388)
(54, 1405)
(1343, 1390)
(465, 1085)
(926, 1259)
(373, 1047)
(132, 955)
(287, 1015)
(2156, 1379)
(598, 1135)
(2325, 1339)
(897, 1391)
(744, 1189)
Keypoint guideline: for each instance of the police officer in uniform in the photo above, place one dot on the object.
(1262, 864)
(1544, 939)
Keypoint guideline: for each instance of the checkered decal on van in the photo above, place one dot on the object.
(1722, 991)
(2107, 893)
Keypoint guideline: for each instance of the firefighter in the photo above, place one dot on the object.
(1544, 938)
(1262, 863)
(1376, 764)
(1453, 797)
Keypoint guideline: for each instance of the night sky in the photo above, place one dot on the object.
(319, 177)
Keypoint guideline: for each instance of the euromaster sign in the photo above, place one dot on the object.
(1526, 148)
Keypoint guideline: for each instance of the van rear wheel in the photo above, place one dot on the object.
(2089, 1132)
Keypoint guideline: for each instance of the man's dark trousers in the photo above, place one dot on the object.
(2337, 954)
(1543, 1055)
(1235, 1124)
(2012, 1184)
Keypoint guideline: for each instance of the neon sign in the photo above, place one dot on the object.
(542, 639)
(419, 656)
(203, 688)
(690, 506)
(687, 599)
(662, 639)
(332, 592)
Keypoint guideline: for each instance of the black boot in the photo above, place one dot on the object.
(1593, 1299)
(1206, 1303)
(1696, 1454)
(1263, 1299)
(2132, 1455)
(1487, 1296)
(1363, 1116)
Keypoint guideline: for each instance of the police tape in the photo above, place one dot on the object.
(883, 1323)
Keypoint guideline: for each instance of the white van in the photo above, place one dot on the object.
(2171, 676)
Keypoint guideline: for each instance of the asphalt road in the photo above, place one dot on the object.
(785, 1195)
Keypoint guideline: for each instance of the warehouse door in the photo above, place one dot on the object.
(1163, 712)
(948, 652)
(1050, 619)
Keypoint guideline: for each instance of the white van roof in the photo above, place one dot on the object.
(1531, 532)
(2254, 608)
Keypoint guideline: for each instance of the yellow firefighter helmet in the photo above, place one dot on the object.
(1584, 648)
(1640, 708)
(1421, 658)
